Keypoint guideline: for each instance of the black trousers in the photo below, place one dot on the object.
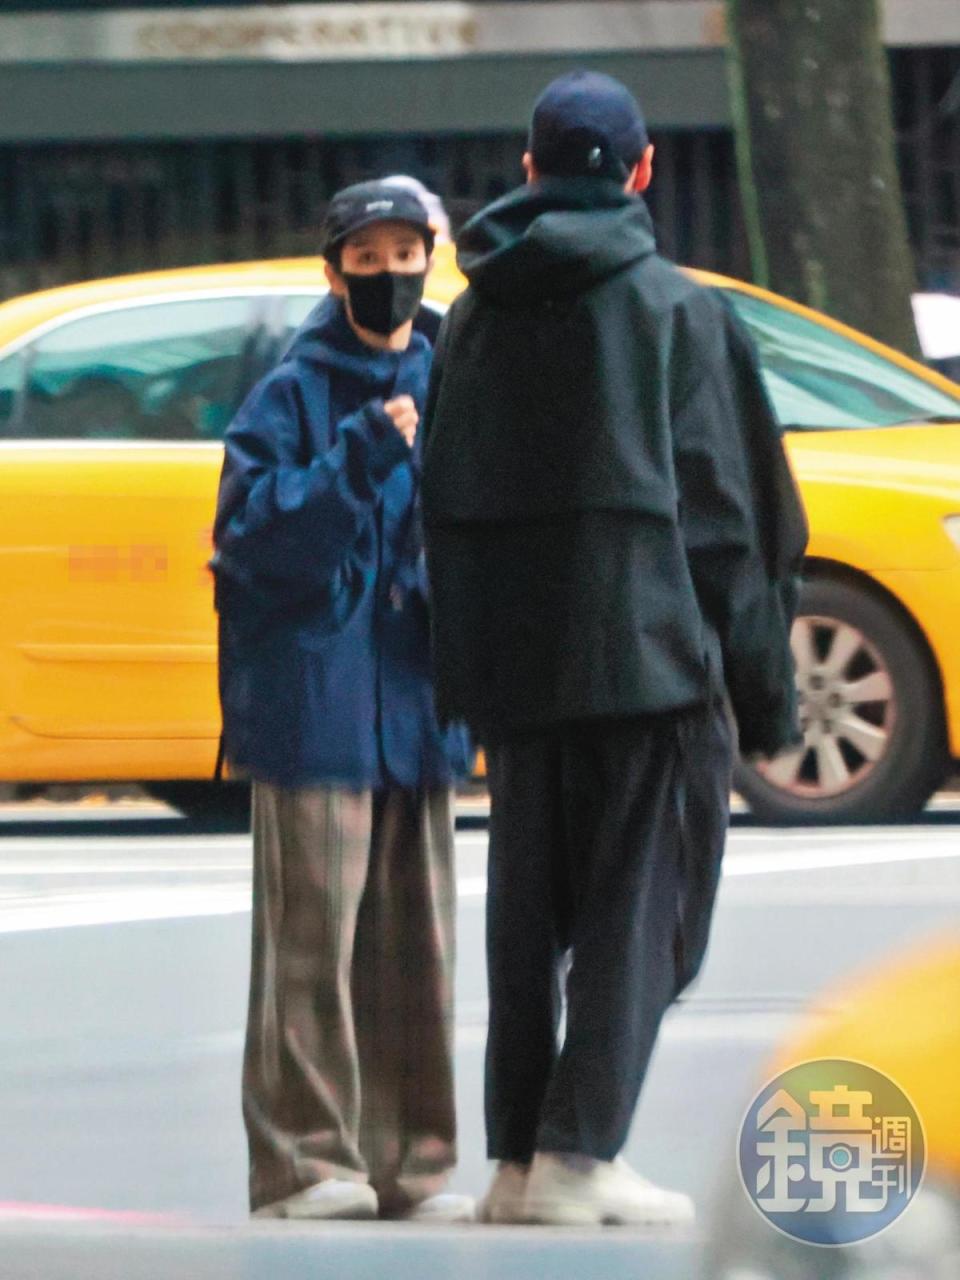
(606, 839)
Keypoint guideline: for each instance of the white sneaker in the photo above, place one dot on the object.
(330, 1199)
(444, 1207)
(504, 1201)
(575, 1191)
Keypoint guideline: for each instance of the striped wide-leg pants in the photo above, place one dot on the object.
(348, 1064)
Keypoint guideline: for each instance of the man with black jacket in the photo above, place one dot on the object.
(613, 537)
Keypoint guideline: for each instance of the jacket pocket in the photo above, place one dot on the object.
(328, 615)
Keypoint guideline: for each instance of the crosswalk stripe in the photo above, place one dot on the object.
(46, 890)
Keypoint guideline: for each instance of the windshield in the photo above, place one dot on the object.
(820, 380)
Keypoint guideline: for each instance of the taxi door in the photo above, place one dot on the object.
(109, 460)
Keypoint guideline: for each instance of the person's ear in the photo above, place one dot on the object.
(335, 280)
(529, 168)
(642, 173)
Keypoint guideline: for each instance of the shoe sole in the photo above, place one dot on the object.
(551, 1213)
(281, 1210)
(313, 1213)
(438, 1219)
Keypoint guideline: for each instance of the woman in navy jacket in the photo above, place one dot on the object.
(327, 701)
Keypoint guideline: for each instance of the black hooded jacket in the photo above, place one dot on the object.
(612, 524)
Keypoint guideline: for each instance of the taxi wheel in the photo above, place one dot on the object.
(208, 806)
(871, 711)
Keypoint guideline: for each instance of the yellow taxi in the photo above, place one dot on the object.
(114, 396)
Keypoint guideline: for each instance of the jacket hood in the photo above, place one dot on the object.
(556, 237)
(326, 338)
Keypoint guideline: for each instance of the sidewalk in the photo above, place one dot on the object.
(338, 1251)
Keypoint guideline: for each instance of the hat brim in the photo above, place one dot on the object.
(426, 231)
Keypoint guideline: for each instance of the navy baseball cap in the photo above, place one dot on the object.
(586, 124)
(366, 203)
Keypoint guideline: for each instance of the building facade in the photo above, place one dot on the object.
(186, 132)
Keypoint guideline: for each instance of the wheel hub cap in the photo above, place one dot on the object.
(847, 710)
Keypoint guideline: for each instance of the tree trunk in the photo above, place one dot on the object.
(815, 138)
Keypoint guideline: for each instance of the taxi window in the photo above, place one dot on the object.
(297, 308)
(11, 384)
(822, 380)
(161, 371)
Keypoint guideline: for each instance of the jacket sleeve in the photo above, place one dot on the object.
(284, 524)
(743, 522)
(424, 434)
(436, 378)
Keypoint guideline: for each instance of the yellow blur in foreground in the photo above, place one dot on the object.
(901, 1019)
(113, 399)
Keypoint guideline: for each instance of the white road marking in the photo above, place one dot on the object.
(813, 858)
(814, 851)
(41, 878)
(122, 908)
(28, 867)
(471, 886)
(123, 847)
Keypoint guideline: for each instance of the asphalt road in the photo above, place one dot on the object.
(123, 973)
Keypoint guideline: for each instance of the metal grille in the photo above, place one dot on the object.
(79, 211)
(927, 96)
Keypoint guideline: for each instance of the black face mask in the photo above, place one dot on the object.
(385, 301)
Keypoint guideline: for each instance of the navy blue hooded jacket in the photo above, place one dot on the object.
(325, 671)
